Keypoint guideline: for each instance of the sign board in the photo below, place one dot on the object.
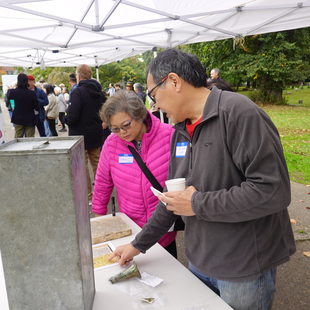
(1, 127)
(7, 81)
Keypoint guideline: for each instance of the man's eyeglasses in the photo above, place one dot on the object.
(124, 127)
(157, 85)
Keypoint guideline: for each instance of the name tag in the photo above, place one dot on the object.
(125, 159)
(181, 148)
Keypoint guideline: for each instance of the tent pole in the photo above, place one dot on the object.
(97, 73)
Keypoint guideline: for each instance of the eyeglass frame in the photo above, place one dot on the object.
(123, 127)
(163, 80)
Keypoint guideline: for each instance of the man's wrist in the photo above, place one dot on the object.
(136, 246)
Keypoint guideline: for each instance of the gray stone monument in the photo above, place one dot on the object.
(45, 237)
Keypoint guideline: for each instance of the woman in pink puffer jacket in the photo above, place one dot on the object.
(131, 124)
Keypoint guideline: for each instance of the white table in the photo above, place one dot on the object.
(4, 305)
(180, 289)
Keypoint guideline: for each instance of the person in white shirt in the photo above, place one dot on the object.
(111, 90)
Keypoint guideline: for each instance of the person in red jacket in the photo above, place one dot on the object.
(132, 125)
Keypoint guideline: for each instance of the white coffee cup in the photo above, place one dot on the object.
(175, 184)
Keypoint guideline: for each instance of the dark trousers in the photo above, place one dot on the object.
(40, 126)
(172, 249)
(52, 126)
(61, 117)
(91, 155)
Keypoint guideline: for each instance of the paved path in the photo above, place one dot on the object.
(293, 278)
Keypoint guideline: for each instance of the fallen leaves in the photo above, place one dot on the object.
(306, 253)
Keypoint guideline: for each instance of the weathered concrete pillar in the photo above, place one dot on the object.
(45, 238)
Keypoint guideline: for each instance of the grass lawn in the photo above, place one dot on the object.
(294, 95)
(293, 123)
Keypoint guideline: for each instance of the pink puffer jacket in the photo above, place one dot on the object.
(133, 189)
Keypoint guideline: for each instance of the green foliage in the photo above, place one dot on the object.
(268, 61)
(41, 74)
(59, 77)
(272, 61)
(52, 75)
(110, 73)
(129, 69)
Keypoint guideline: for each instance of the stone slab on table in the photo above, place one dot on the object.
(108, 228)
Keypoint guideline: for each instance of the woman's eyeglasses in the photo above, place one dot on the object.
(124, 127)
(157, 85)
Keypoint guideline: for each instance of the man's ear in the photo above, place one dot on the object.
(175, 80)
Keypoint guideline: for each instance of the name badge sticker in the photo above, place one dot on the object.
(125, 158)
(181, 148)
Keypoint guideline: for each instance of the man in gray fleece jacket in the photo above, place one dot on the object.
(235, 204)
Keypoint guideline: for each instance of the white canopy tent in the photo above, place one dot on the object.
(39, 33)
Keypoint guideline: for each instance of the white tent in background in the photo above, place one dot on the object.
(39, 33)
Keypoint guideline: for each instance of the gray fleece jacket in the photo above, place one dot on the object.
(235, 160)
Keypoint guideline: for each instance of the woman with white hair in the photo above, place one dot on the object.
(51, 109)
(62, 106)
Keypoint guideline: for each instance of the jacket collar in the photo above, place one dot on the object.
(153, 124)
(210, 110)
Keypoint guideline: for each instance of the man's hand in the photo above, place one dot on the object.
(180, 202)
(124, 253)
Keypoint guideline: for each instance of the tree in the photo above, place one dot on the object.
(51, 75)
(271, 61)
(57, 77)
(129, 69)
(110, 73)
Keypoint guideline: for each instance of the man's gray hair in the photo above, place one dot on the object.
(123, 101)
(137, 86)
(216, 70)
(186, 66)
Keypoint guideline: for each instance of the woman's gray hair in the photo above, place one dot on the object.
(123, 101)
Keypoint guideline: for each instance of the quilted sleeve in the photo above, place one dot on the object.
(103, 183)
